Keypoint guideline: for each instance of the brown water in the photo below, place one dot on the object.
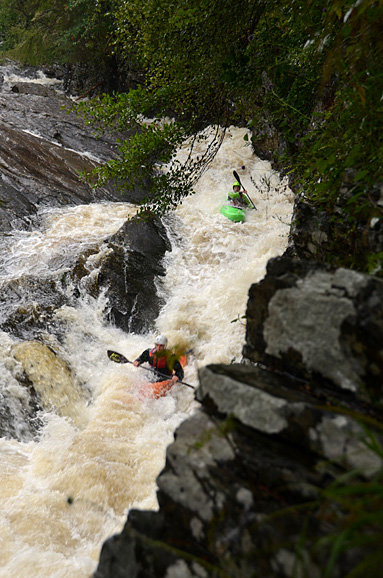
(64, 494)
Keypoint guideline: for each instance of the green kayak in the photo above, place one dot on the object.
(234, 213)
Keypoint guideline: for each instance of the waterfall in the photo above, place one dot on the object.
(99, 447)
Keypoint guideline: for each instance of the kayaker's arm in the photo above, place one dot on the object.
(246, 199)
(142, 358)
(242, 199)
(178, 372)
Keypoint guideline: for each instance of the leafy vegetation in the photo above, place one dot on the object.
(304, 75)
(37, 32)
(201, 71)
(309, 69)
(346, 134)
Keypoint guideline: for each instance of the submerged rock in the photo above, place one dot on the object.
(51, 379)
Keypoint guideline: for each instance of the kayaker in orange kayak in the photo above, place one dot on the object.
(163, 360)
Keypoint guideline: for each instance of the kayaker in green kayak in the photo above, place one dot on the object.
(237, 197)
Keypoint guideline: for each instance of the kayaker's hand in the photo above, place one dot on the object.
(174, 379)
(135, 363)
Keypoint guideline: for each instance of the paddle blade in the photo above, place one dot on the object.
(236, 176)
(117, 357)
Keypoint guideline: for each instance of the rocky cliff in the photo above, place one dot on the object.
(245, 489)
(43, 149)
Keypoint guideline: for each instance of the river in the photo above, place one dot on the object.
(68, 490)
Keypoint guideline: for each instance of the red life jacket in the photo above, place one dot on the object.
(158, 361)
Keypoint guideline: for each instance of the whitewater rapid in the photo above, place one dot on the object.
(66, 492)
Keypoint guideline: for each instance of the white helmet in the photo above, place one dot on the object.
(161, 340)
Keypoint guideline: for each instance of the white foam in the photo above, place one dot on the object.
(65, 494)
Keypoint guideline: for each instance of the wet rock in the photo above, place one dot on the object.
(43, 150)
(28, 306)
(51, 379)
(19, 405)
(275, 404)
(132, 271)
(233, 491)
(330, 237)
(46, 173)
(129, 270)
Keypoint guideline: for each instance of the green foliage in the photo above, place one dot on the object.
(354, 510)
(8, 19)
(239, 318)
(202, 70)
(185, 63)
(348, 133)
(322, 88)
(257, 62)
(185, 47)
(222, 62)
(309, 69)
(375, 263)
(41, 31)
(148, 157)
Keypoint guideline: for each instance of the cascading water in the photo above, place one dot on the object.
(66, 491)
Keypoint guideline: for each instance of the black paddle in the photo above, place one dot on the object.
(236, 176)
(119, 358)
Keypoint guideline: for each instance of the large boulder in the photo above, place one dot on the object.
(131, 272)
(52, 380)
(319, 324)
(242, 485)
(129, 268)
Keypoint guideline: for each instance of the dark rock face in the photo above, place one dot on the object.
(114, 75)
(236, 479)
(131, 272)
(243, 480)
(42, 151)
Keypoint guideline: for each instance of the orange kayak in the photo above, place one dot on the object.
(160, 388)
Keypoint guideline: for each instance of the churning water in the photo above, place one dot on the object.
(66, 492)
